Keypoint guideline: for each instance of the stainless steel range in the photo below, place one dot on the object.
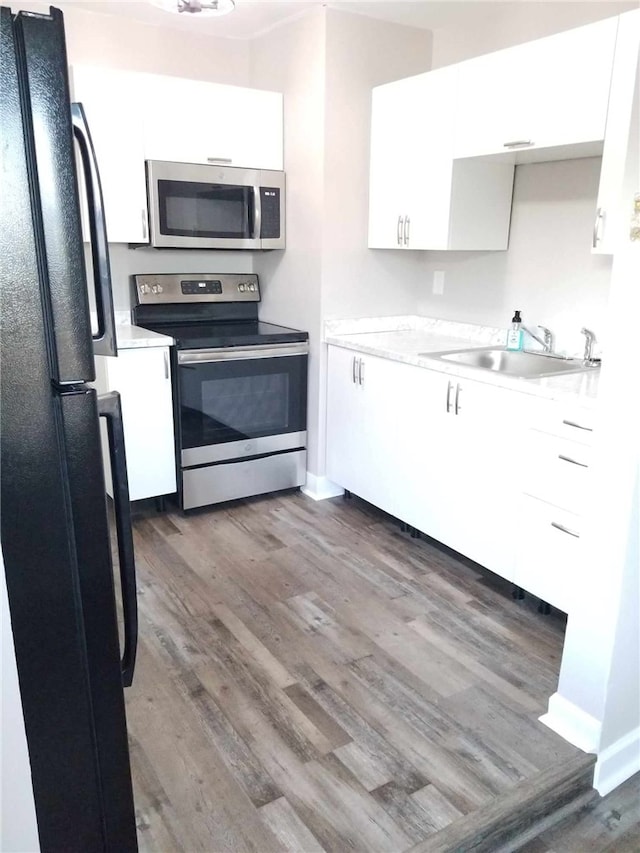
(240, 386)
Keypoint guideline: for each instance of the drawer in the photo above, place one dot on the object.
(557, 471)
(549, 557)
(575, 423)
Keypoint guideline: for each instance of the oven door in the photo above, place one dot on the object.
(241, 401)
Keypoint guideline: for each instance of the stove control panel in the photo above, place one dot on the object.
(193, 287)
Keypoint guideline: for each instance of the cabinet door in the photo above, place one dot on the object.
(621, 122)
(347, 454)
(112, 105)
(533, 96)
(364, 453)
(487, 429)
(549, 555)
(411, 165)
(193, 121)
(143, 379)
(390, 108)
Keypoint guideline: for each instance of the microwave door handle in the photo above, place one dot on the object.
(257, 213)
(104, 342)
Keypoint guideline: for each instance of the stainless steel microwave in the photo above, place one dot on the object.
(194, 206)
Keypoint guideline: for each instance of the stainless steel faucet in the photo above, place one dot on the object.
(546, 342)
(590, 338)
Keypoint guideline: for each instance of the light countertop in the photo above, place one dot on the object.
(404, 338)
(134, 337)
(129, 336)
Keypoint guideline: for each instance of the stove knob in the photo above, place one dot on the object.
(252, 288)
(242, 288)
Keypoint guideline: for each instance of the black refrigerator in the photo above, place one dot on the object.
(56, 543)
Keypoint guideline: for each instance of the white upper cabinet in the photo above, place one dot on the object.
(620, 123)
(419, 198)
(192, 121)
(545, 94)
(112, 107)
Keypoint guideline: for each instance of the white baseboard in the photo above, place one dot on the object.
(572, 723)
(617, 763)
(320, 488)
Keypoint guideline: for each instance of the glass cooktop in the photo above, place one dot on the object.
(227, 334)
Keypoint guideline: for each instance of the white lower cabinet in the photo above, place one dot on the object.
(556, 479)
(142, 376)
(436, 452)
(549, 552)
(500, 476)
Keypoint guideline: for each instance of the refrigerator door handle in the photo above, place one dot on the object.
(109, 408)
(104, 342)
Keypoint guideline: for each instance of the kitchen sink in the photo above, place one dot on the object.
(526, 365)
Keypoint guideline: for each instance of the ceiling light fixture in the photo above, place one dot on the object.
(204, 8)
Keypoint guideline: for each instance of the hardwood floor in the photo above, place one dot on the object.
(309, 678)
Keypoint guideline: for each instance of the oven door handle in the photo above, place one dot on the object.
(206, 356)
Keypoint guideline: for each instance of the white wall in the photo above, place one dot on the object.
(362, 53)
(290, 59)
(548, 272)
(18, 828)
(116, 41)
(326, 63)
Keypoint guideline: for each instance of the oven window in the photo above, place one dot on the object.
(191, 209)
(233, 400)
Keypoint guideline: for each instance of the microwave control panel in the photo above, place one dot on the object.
(270, 206)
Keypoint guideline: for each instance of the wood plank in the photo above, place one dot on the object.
(287, 827)
(504, 818)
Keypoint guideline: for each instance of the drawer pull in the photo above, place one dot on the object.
(577, 426)
(517, 143)
(573, 461)
(565, 529)
(354, 370)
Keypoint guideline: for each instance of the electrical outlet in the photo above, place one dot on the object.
(438, 282)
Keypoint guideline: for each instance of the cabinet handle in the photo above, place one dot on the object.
(407, 229)
(456, 404)
(219, 160)
(145, 233)
(399, 231)
(517, 143)
(354, 373)
(573, 461)
(361, 372)
(449, 387)
(166, 364)
(564, 529)
(577, 426)
(596, 228)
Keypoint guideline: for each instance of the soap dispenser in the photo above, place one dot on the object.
(515, 334)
